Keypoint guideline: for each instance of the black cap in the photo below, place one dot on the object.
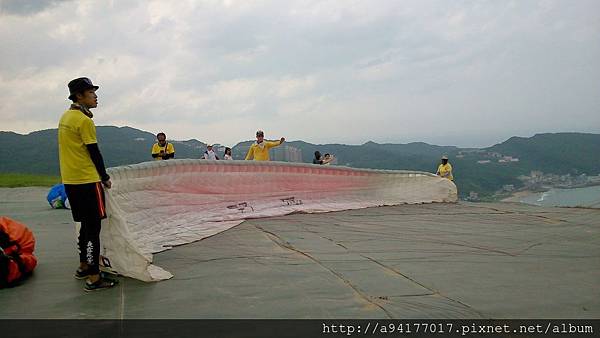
(80, 85)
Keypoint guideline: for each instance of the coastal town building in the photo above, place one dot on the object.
(287, 153)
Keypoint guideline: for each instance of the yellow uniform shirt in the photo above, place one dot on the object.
(261, 153)
(445, 171)
(75, 131)
(167, 149)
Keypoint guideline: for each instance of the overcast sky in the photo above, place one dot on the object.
(465, 73)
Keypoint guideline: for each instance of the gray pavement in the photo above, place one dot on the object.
(462, 260)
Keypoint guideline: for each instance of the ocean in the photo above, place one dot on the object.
(577, 197)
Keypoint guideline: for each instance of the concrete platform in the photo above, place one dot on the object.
(461, 260)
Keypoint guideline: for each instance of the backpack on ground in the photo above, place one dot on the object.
(16, 252)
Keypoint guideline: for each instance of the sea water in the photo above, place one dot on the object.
(577, 197)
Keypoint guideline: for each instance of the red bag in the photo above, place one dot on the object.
(16, 252)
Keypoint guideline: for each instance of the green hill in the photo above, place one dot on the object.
(560, 153)
(37, 152)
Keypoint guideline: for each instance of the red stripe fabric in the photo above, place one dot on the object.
(100, 200)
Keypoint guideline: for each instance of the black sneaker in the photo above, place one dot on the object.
(109, 277)
(81, 274)
(101, 284)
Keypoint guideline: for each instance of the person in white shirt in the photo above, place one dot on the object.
(327, 159)
(227, 155)
(209, 154)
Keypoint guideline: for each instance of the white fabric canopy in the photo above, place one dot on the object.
(154, 206)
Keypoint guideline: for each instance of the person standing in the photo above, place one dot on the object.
(84, 175)
(209, 153)
(326, 159)
(317, 159)
(445, 169)
(227, 155)
(162, 150)
(259, 150)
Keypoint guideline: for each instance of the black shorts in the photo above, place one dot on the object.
(87, 201)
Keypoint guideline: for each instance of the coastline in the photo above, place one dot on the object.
(518, 195)
(587, 196)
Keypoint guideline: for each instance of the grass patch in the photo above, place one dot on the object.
(27, 180)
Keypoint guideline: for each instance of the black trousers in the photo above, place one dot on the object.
(88, 244)
(88, 207)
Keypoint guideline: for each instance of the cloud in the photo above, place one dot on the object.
(466, 73)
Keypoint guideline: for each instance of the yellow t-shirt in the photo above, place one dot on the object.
(157, 149)
(445, 171)
(75, 131)
(261, 153)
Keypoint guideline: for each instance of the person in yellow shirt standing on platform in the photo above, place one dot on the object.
(84, 175)
(445, 169)
(162, 150)
(259, 150)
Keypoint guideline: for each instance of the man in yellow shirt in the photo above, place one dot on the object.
(84, 175)
(259, 150)
(445, 169)
(162, 150)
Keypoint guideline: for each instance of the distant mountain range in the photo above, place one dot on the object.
(481, 170)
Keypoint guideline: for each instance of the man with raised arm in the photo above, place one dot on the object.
(259, 150)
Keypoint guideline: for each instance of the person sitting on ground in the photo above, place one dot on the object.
(445, 169)
(162, 150)
(259, 150)
(227, 155)
(209, 154)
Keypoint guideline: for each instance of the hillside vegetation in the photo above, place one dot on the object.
(559, 153)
